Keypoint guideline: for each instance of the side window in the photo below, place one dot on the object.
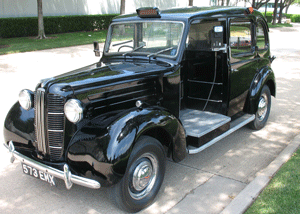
(261, 42)
(240, 37)
(199, 35)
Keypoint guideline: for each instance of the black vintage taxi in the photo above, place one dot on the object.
(169, 83)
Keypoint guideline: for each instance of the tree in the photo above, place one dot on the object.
(259, 3)
(290, 2)
(275, 12)
(122, 8)
(191, 2)
(284, 4)
(41, 31)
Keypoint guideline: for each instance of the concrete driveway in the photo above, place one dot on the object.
(204, 183)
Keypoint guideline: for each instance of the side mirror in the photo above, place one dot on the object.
(96, 49)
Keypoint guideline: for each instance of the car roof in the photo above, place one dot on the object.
(187, 13)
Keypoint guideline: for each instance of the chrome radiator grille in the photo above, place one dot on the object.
(49, 124)
(39, 124)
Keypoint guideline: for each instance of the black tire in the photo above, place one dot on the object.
(148, 160)
(263, 109)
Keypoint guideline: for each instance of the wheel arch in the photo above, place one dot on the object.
(111, 145)
(264, 77)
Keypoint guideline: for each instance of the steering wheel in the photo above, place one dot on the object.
(124, 46)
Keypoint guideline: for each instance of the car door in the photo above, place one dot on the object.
(242, 63)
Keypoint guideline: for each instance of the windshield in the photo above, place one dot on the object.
(149, 38)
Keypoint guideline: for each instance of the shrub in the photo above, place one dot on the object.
(269, 18)
(28, 26)
(295, 18)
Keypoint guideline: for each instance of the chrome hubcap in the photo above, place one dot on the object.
(144, 176)
(262, 107)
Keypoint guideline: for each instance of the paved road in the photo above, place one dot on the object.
(202, 183)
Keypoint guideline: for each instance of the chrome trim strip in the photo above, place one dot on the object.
(225, 134)
(65, 175)
(55, 147)
(40, 120)
(56, 113)
(50, 130)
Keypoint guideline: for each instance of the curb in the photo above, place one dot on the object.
(248, 195)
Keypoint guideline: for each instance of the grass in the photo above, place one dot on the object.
(282, 195)
(24, 44)
(279, 25)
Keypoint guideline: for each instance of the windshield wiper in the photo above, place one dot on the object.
(138, 48)
(159, 52)
(121, 43)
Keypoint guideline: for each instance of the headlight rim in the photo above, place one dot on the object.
(78, 110)
(29, 104)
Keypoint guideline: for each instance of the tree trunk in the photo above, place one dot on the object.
(280, 12)
(275, 12)
(122, 8)
(286, 9)
(191, 2)
(41, 31)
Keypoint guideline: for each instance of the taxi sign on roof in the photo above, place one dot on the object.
(148, 12)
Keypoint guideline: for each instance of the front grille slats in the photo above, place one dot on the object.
(56, 122)
(49, 125)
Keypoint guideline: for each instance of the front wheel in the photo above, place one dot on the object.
(263, 109)
(143, 177)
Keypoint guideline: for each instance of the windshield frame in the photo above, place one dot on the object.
(109, 33)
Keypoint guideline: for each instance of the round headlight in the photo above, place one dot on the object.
(25, 99)
(74, 110)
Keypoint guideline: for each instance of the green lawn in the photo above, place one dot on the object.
(279, 25)
(24, 44)
(282, 195)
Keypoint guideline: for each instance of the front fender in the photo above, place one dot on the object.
(19, 126)
(105, 149)
(265, 76)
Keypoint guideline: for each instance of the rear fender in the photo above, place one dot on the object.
(264, 77)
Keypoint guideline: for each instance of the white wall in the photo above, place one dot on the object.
(27, 8)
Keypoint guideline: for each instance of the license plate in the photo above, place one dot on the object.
(29, 170)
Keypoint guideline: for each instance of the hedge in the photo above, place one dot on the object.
(293, 17)
(28, 26)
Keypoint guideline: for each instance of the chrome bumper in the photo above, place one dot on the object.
(65, 175)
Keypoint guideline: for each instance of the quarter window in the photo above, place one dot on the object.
(199, 34)
(240, 37)
(260, 37)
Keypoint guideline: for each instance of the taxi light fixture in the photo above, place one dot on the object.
(148, 12)
(249, 10)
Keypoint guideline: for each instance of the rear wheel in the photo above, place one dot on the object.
(263, 109)
(143, 177)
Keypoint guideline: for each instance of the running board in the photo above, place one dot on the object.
(235, 125)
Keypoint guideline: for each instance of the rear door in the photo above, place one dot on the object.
(243, 62)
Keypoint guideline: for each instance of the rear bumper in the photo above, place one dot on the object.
(65, 175)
